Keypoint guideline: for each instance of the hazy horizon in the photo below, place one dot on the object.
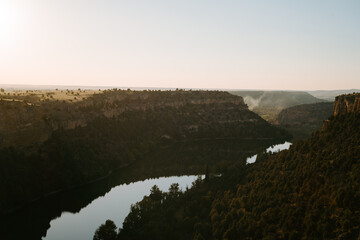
(228, 45)
(52, 87)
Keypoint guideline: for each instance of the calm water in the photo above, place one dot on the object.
(115, 205)
(77, 213)
(275, 148)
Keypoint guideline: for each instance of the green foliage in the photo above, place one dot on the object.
(158, 216)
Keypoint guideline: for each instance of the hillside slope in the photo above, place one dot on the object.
(304, 119)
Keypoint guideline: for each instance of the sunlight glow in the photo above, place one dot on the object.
(8, 18)
(181, 44)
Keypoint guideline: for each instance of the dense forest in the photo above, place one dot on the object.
(310, 191)
(118, 128)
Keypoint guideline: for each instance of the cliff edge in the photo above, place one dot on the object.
(347, 103)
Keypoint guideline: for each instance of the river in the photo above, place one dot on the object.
(273, 149)
(115, 205)
(77, 213)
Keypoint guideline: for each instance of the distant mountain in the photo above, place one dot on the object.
(269, 103)
(330, 95)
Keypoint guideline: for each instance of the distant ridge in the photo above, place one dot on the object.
(322, 94)
(330, 95)
(12, 87)
(269, 103)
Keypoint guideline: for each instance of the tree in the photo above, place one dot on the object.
(106, 231)
(174, 190)
(155, 193)
(207, 173)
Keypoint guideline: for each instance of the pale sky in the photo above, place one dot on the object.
(239, 44)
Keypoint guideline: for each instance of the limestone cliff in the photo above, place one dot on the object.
(27, 123)
(347, 103)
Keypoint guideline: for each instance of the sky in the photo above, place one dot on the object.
(227, 44)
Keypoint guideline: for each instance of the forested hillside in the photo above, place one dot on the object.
(302, 120)
(88, 140)
(310, 191)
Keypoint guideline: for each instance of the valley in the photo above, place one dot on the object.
(76, 143)
(307, 192)
(116, 136)
(179, 120)
(268, 104)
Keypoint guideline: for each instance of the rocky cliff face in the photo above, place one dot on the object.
(347, 103)
(23, 124)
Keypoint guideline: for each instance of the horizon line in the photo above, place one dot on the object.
(51, 86)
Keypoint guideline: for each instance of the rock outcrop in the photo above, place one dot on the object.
(347, 103)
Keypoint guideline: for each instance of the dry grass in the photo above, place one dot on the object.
(47, 95)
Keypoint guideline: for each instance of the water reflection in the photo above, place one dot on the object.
(189, 158)
(114, 205)
(273, 149)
